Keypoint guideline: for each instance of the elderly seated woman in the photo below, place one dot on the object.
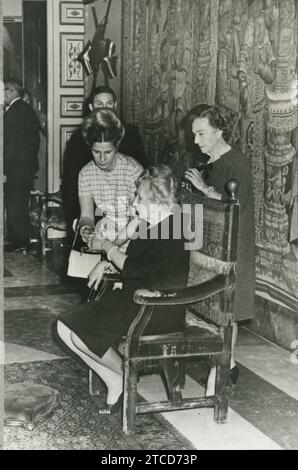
(155, 258)
(108, 181)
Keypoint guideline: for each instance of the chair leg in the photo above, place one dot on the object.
(93, 381)
(222, 388)
(43, 241)
(130, 395)
(172, 375)
(182, 373)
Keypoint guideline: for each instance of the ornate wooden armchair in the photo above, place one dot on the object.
(208, 303)
(44, 216)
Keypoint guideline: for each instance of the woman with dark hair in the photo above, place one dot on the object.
(182, 153)
(108, 181)
(200, 158)
(93, 331)
(211, 132)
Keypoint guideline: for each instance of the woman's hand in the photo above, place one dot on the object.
(195, 177)
(95, 276)
(129, 231)
(97, 243)
(87, 234)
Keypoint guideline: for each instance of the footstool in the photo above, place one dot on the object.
(26, 404)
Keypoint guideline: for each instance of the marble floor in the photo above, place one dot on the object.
(263, 410)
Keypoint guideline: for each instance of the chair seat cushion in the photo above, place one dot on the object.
(26, 404)
(198, 337)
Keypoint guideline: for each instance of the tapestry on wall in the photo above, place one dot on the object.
(242, 55)
(166, 63)
(266, 69)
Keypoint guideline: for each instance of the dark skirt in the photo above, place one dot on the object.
(101, 325)
(235, 165)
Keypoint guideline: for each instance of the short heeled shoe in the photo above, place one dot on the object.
(234, 375)
(113, 408)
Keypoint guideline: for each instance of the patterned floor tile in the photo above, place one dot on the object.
(199, 427)
(35, 329)
(19, 354)
(27, 271)
(55, 304)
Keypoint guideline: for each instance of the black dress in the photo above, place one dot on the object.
(233, 164)
(152, 262)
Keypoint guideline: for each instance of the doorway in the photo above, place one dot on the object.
(35, 73)
(25, 58)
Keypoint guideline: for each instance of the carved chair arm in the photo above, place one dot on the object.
(148, 299)
(184, 296)
(212, 264)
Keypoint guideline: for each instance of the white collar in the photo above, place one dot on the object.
(13, 101)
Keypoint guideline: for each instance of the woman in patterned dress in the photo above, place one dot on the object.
(108, 181)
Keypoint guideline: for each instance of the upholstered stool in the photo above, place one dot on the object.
(26, 404)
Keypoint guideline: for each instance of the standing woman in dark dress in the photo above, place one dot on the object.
(210, 131)
(154, 259)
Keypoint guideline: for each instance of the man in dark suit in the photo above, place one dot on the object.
(78, 153)
(21, 145)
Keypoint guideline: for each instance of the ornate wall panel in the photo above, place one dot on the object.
(241, 54)
(65, 80)
(71, 73)
(72, 13)
(71, 105)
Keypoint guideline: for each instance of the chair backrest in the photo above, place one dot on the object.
(220, 223)
(218, 253)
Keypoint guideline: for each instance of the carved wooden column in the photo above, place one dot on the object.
(278, 155)
(282, 119)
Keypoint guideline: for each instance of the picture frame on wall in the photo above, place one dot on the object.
(71, 106)
(71, 72)
(66, 131)
(72, 13)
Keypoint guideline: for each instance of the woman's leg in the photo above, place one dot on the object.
(108, 367)
(210, 389)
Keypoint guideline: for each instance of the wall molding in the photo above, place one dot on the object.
(72, 13)
(65, 85)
